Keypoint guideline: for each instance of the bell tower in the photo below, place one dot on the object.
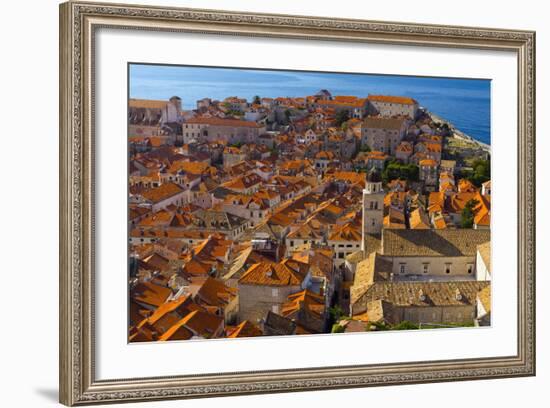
(373, 205)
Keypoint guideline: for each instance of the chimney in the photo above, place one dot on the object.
(421, 295)
(458, 295)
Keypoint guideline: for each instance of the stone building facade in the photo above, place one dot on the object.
(422, 302)
(391, 106)
(383, 134)
(228, 130)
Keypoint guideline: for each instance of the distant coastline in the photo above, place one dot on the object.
(458, 133)
(464, 102)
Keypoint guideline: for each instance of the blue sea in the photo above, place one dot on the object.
(464, 102)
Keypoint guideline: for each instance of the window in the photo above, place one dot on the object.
(447, 268)
(425, 267)
(470, 268)
(275, 292)
(275, 308)
(341, 255)
(373, 222)
(402, 268)
(291, 243)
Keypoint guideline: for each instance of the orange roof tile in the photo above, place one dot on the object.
(346, 232)
(427, 163)
(244, 329)
(161, 193)
(150, 294)
(147, 103)
(272, 274)
(403, 100)
(305, 299)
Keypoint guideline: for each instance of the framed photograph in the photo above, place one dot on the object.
(256, 203)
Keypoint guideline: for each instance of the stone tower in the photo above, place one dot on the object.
(373, 205)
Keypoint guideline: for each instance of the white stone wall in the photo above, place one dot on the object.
(482, 272)
(178, 199)
(373, 210)
(343, 249)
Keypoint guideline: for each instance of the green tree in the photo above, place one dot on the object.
(336, 313)
(405, 325)
(396, 170)
(336, 328)
(481, 172)
(379, 326)
(341, 117)
(467, 214)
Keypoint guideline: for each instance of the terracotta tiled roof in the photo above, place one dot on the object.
(456, 242)
(244, 329)
(147, 103)
(190, 167)
(305, 299)
(372, 268)
(214, 292)
(160, 218)
(305, 231)
(466, 186)
(325, 155)
(419, 220)
(350, 176)
(150, 294)
(347, 232)
(199, 323)
(425, 294)
(352, 101)
(161, 193)
(243, 182)
(272, 274)
(403, 100)
(436, 201)
(458, 201)
(427, 163)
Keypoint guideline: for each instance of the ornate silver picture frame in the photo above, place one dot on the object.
(78, 24)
